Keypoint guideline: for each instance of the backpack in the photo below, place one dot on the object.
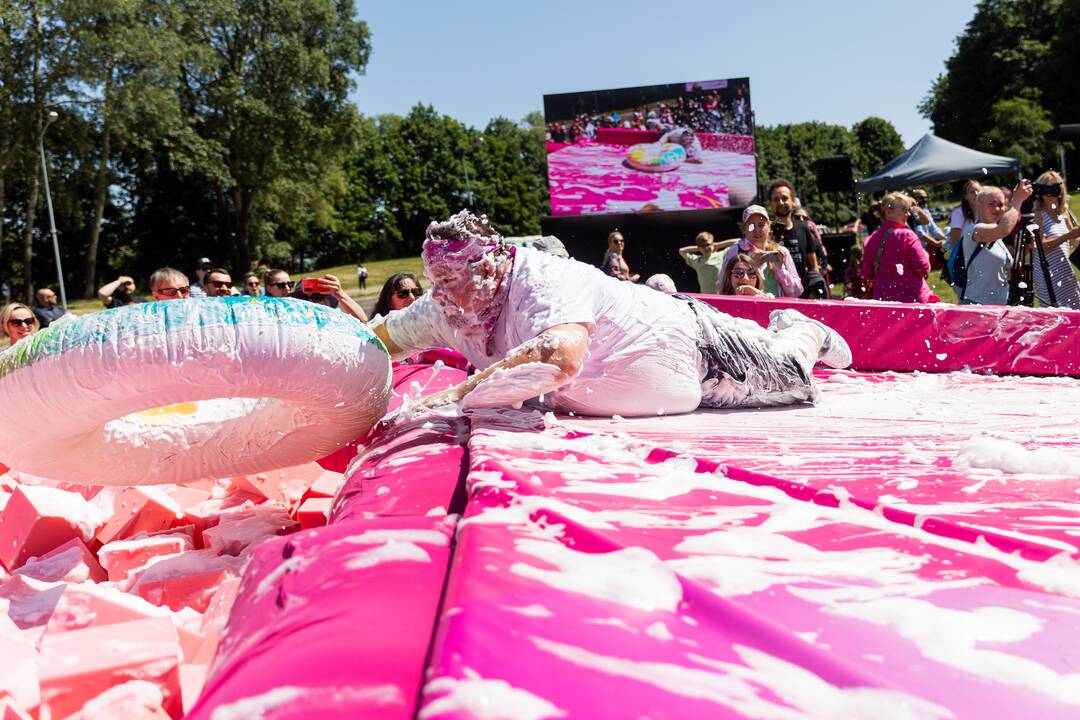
(958, 267)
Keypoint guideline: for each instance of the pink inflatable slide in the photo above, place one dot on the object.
(906, 548)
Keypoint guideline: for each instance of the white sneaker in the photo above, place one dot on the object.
(834, 350)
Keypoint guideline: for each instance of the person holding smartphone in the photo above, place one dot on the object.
(772, 259)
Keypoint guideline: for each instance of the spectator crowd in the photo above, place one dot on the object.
(709, 112)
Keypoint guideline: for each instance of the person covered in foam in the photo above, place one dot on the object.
(543, 327)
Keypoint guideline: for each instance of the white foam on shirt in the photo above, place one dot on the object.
(375, 537)
(632, 577)
(482, 699)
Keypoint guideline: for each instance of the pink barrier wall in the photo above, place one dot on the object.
(743, 144)
(938, 337)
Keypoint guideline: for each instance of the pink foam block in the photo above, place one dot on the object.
(71, 562)
(217, 612)
(134, 700)
(187, 580)
(139, 510)
(186, 496)
(209, 513)
(192, 679)
(19, 663)
(234, 534)
(287, 485)
(120, 557)
(326, 485)
(78, 666)
(81, 606)
(313, 512)
(38, 519)
(10, 711)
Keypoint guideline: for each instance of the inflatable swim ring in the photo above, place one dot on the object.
(655, 157)
(171, 392)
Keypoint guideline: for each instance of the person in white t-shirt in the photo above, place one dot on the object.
(539, 326)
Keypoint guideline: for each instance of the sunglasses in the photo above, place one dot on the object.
(743, 274)
(252, 283)
(802, 218)
(220, 284)
(403, 294)
(26, 322)
(282, 285)
(173, 292)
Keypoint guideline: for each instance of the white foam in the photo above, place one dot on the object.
(393, 551)
(482, 699)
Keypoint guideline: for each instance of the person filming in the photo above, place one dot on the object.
(1060, 236)
(988, 260)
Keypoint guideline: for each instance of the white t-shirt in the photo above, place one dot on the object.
(639, 339)
(957, 220)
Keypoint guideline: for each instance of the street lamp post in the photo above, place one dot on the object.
(49, 120)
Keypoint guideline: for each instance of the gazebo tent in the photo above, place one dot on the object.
(932, 160)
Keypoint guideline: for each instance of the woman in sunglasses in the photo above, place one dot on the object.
(741, 277)
(398, 292)
(17, 321)
(1060, 236)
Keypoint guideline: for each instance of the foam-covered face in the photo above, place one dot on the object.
(463, 289)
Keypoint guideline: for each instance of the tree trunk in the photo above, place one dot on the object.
(3, 208)
(101, 193)
(28, 235)
(242, 246)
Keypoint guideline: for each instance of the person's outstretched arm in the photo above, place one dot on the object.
(330, 285)
(562, 346)
(105, 291)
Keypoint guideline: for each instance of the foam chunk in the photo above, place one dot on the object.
(10, 711)
(80, 665)
(209, 513)
(187, 580)
(38, 519)
(287, 485)
(186, 496)
(141, 509)
(19, 673)
(120, 557)
(134, 700)
(313, 512)
(217, 612)
(192, 679)
(236, 533)
(326, 485)
(71, 562)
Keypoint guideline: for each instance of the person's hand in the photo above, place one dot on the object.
(330, 285)
(1021, 192)
(748, 290)
(634, 278)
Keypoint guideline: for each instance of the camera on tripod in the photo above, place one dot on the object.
(1026, 238)
(1045, 190)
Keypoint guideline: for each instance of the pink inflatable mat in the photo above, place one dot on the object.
(938, 337)
(904, 549)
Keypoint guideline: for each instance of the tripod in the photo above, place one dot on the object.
(1025, 239)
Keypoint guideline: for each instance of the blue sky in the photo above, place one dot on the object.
(832, 61)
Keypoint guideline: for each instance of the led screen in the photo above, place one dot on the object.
(683, 146)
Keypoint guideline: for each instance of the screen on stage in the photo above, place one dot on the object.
(682, 146)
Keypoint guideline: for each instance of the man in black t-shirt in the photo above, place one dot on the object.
(796, 238)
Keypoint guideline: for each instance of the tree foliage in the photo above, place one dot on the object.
(1010, 79)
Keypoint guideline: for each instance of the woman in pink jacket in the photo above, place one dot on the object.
(894, 260)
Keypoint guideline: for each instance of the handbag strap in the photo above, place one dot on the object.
(880, 248)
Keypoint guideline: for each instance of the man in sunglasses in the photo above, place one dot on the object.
(169, 284)
(278, 284)
(218, 283)
(201, 271)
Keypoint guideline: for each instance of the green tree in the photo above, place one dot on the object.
(1003, 53)
(1019, 130)
(876, 143)
(266, 87)
(512, 189)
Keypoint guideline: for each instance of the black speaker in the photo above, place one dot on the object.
(833, 174)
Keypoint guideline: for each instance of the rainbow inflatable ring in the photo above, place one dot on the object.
(655, 157)
(171, 392)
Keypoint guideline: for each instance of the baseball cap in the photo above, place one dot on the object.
(551, 245)
(204, 261)
(752, 210)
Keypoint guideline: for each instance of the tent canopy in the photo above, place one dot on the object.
(932, 160)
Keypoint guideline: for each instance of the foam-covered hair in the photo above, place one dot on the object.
(462, 238)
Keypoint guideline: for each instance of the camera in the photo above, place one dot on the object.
(1046, 189)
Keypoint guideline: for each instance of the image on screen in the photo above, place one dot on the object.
(682, 146)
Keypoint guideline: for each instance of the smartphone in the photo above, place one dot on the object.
(309, 286)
